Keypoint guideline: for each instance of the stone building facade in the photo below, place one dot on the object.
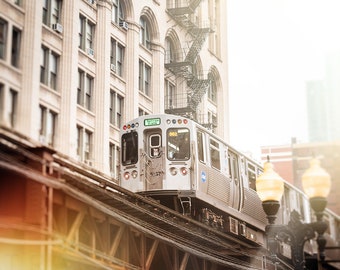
(73, 71)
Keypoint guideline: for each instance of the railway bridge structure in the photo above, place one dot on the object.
(58, 214)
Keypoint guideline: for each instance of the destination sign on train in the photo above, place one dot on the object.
(152, 122)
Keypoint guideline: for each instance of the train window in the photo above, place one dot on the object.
(155, 145)
(234, 163)
(130, 148)
(251, 176)
(215, 154)
(229, 165)
(200, 146)
(155, 140)
(178, 144)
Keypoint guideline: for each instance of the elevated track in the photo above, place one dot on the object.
(177, 238)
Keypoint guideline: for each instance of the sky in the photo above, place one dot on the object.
(274, 47)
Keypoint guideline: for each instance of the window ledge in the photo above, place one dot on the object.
(49, 89)
(83, 52)
(17, 7)
(144, 95)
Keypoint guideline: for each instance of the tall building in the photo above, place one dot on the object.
(323, 103)
(316, 111)
(71, 72)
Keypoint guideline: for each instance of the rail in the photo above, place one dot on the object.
(140, 212)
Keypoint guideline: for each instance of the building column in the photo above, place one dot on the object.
(132, 68)
(67, 81)
(102, 86)
(157, 78)
(27, 120)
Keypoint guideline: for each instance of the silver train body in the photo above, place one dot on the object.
(190, 169)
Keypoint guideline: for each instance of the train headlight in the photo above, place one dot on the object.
(173, 171)
(134, 174)
(184, 171)
(126, 175)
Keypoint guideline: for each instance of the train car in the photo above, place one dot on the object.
(188, 168)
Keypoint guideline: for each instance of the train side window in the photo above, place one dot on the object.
(251, 176)
(130, 148)
(200, 146)
(233, 166)
(236, 172)
(229, 166)
(215, 154)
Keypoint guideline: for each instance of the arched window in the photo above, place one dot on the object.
(144, 33)
(118, 15)
(169, 51)
(212, 90)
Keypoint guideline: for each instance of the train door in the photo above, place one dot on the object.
(154, 159)
(202, 167)
(236, 187)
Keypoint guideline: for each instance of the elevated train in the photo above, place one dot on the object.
(188, 168)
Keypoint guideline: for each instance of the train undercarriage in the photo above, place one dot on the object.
(209, 215)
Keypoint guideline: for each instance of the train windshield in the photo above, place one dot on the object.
(130, 148)
(178, 144)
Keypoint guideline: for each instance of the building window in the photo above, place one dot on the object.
(116, 108)
(85, 90)
(117, 12)
(114, 160)
(1, 100)
(212, 90)
(3, 38)
(215, 36)
(84, 145)
(169, 51)
(117, 57)
(170, 95)
(49, 67)
(15, 43)
(144, 77)
(15, 52)
(86, 35)
(13, 102)
(47, 125)
(51, 12)
(144, 34)
(142, 112)
(212, 119)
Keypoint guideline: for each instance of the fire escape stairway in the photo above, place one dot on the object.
(197, 86)
(182, 15)
(194, 4)
(198, 89)
(200, 35)
(187, 8)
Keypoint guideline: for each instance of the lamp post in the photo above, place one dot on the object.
(270, 187)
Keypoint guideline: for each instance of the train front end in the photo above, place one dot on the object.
(156, 154)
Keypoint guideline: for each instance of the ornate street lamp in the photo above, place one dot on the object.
(270, 187)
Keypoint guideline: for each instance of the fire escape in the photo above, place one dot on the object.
(184, 67)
